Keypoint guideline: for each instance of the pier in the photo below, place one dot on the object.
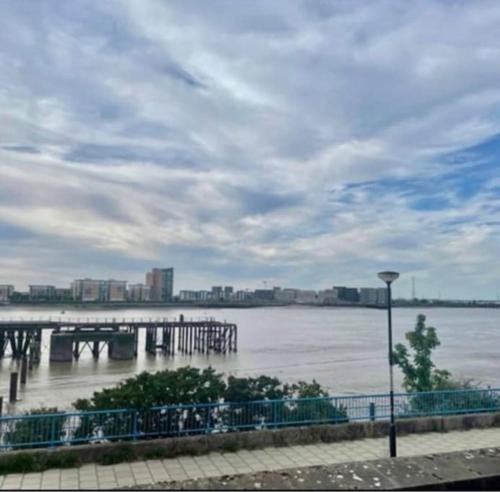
(70, 337)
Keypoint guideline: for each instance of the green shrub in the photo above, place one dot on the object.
(231, 446)
(189, 385)
(18, 463)
(118, 455)
(61, 460)
(156, 454)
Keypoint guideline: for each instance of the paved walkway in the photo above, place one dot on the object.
(217, 464)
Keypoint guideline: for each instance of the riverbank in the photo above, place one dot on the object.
(85, 306)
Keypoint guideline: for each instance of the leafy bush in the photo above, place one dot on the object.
(188, 386)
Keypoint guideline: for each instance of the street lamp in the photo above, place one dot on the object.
(388, 278)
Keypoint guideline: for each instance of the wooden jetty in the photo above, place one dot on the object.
(70, 337)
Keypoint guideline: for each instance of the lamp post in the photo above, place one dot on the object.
(389, 278)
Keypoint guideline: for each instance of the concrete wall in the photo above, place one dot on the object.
(201, 444)
(122, 346)
(61, 347)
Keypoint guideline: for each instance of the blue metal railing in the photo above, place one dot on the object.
(72, 428)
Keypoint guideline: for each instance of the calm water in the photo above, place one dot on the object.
(345, 349)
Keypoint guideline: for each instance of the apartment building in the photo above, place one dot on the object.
(161, 284)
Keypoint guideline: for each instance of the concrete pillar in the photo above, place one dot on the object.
(61, 347)
(122, 346)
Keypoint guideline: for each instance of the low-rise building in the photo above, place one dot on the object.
(6, 291)
(327, 296)
(368, 295)
(217, 293)
(204, 295)
(139, 292)
(91, 290)
(347, 294)
(188, 296)
(87, 290)
(306, 297)
(63, 294)
(42, 292)
(115, 290)
(285, 295)
(264, 294)
(371, 296)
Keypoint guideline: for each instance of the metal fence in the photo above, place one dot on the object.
(73, 428)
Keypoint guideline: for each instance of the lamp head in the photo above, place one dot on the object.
(388, 277)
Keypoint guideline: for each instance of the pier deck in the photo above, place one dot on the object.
(69, 337)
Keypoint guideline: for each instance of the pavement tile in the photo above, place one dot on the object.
(247, 461)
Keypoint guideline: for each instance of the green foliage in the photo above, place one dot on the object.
(312, 404)
(186, 385)
(189, 385)
(37, 430)
(231, 446)
(25, 462)
(182, 386)
(119, 454)
(253, 389)
(156, 454)
(60, 460)
(420, 374)
(18, 463)
(453, 401)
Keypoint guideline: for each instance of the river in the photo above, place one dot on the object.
(345, 349)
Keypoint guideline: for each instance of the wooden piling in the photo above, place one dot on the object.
(31, 356)
(13, 387)
(24, 370)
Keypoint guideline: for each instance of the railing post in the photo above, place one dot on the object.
(53, 431)
(207, 426)
(372, 411)
(134, 425)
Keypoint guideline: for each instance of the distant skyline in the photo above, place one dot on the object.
(303, 143)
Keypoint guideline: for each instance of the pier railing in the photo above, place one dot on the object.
(73, 428)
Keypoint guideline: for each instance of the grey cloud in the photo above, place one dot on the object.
(208, 135)
(26, 149)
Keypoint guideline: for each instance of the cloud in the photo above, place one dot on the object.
(305, 143)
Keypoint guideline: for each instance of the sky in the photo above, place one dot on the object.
(301, 143)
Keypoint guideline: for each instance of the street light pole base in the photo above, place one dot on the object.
(392, 440)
